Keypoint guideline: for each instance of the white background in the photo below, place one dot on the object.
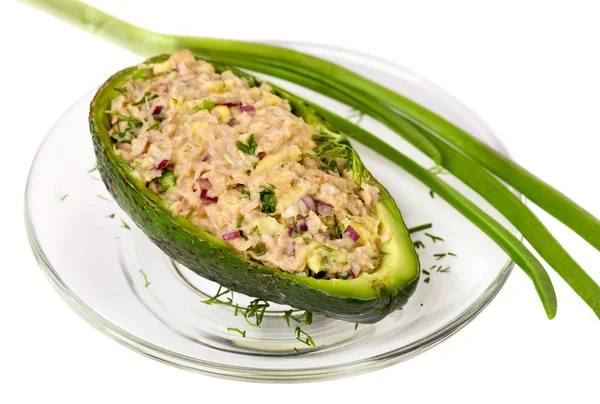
(530, 69)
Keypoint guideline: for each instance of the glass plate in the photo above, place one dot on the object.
(93, 254)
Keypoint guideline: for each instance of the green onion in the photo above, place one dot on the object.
(466, 157)
(420, 228)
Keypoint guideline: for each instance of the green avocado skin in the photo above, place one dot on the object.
(219, 263)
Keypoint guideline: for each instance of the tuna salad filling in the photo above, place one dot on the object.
(232, 158)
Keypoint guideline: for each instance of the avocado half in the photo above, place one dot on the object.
(367, 299)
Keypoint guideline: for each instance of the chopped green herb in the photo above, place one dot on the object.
(419, 228)
(245, 193)
(419, 244)
(348, 211)
(452, 254)
(111, 216)
(240, 218)
(333, 145)
(103, 198)
(383, 253)
(434, 238)
(248, 172)
(142, 74)
(146, 98)
(256, 309)
(431, 194)
(326, 248)
(307, 338)
(445, 270)
(259, 249)
(253, 229)
(155, 125)
(64, 197)
(334, 229)
(236, 310)
(296, 350)
(146, 282)
(439, 256)
(123, 137)
(242, 333)
(305, 318)
(437, 170)
(167, 180)
(91, 170)
(174, 101)
(190, 213)
(426, 280)
(355, 326)
(242, 235)
(268, 200)
(426, 272)
(125, 225)
(249, 147)
(220, 292)
(206, 104)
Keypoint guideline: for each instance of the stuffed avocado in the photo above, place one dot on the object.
(247, 186)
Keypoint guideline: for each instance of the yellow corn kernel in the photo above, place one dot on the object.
(223, 112)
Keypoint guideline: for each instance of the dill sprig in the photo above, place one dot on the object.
(125, 225)
(307, 338)
(256, 310)
(220, 293)
(64, 197)
(333, 145)
(434, 238)
(146, 282)
(420, 228)
(305, 318)
(241, 332)
(419, 244)
(439, 256)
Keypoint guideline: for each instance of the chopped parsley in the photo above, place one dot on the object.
(249, 147)
(268, 200)
(256, 309)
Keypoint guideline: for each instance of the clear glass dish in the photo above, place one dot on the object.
(93, 254)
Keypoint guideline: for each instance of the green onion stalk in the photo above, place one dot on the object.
(466, 157)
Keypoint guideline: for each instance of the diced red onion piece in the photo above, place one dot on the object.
(231, 235)
(324, 209)
(352, 274)
(290, 249)
(350, 232)
(309, 202)
(327, 236)
(203, 183)
(157, 110)
(208, 199)
(302, 207)
(162, 164)
(291, 231)
(232, 122)
(249, 109)
(262, 155)
(206, 158)
(230, 104)
(301, 225)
